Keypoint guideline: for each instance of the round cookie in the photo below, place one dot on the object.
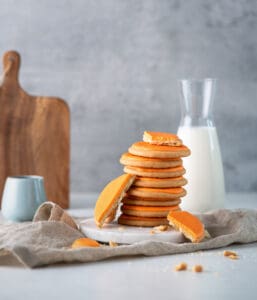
(148, 211)
(129, 159)
(132, 197)
(140, 202)
(161, 138)
(156, 173)
(160, 182)
(165, 193)
(110, 198)
(158, 151)
(141, 221)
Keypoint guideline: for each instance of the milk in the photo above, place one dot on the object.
(204, 171)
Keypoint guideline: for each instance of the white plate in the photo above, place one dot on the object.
(122, 234)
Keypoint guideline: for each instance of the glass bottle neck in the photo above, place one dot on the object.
(196, 102)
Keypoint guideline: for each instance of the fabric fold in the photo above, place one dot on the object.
(39, 243)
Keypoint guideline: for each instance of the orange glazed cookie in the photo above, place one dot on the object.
(161, 138)
(131, 201)
(110, 197)
(141, 221)
(128, 159)
(160, 182)
(188, 224)
(148, 211)
(156, 173)
(84, 242)
(158, 151)
(165, 193)
(132, 197)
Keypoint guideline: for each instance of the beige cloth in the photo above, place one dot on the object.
(49, 211)
(35, 244)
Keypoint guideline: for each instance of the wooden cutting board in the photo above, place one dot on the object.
(34, 134)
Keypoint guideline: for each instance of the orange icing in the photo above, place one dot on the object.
(130, 156)
(151, 170)
(160, 137)
(84, 242)
(158, 179)
(132, 197)
(158, 190)
(110, 196)
(150, 208)
(187, 223)
(164, 148)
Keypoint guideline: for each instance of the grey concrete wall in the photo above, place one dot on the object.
(116, 62)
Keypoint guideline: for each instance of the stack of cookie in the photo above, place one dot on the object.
(156, 162)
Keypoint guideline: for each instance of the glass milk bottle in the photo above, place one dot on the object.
(204, 171)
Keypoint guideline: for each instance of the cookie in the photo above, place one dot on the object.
(188, 224)
(156, 173)
(140, 202)
(161, 138)
(148, 211)
(129, 159)
(160, 182)
(141, 221)
(110, 197)
(158, 151)
(165, 193)
(84, 242)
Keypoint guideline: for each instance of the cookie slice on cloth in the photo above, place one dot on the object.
(188, 224)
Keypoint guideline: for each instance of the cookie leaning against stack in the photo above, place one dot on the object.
(156, 162)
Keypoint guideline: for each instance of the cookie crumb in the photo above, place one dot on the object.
(121, 228)
(161, 228)
(230, 254)
(112, 244)
(181, 267)
(197, 268)
(207, 234)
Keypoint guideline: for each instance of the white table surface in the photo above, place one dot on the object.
(140, 277)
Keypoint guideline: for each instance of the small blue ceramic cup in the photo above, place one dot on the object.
(22, 196)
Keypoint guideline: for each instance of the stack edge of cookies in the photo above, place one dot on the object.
(158, 184)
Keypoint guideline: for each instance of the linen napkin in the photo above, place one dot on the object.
(47, 239)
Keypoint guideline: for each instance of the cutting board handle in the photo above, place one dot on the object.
(11, 66)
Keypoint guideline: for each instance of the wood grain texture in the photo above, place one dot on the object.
(34, 134)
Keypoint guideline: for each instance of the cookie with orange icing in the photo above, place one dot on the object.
(160, 182)
(161, 138)
(156, 173)
(84, 242)
(188, 224)
(143, 202)
(129, 159)
(158, 151)
(110, 198)
(162, 193)
(141, 221)
(148, 211)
